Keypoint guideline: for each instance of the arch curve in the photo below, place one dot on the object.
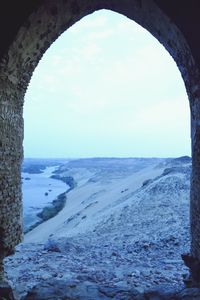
(51, 19)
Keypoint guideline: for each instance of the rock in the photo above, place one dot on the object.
(147, 182)
(136, 273)
(145, 273)
(146, 245)
(121, 283)
(120, 293)
(74, 290)
(52, 246)
(45, 276)
(71, 290)
(162, 292)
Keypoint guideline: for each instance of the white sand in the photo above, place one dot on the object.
(90, 202)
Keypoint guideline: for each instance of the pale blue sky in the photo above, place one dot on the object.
(106, 87)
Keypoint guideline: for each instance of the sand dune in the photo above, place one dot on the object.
(90, 202)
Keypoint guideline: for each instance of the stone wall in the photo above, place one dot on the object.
(11, 137)
(36, 32)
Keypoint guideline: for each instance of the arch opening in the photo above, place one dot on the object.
(40, 81)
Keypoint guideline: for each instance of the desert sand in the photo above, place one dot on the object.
(125, 225)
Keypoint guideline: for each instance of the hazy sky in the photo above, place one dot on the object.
(106, 87)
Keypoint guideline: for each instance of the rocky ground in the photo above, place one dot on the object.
(135, 248)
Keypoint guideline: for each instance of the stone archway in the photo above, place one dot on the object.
(43, 24)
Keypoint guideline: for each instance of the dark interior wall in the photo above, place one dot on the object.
(185, 14)
(13, 14)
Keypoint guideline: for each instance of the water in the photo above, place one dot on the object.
(34, 187)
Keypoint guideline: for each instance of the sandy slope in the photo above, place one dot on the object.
(90, 202)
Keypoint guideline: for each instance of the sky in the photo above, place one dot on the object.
(106, 88)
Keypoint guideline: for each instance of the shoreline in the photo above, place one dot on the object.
(50, 210)
(55, 206)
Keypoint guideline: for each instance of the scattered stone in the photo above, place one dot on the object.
(76, 290)
(51, 245)
(56, 290)
(147, 182)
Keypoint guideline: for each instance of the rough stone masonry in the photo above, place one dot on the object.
(28, 28)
